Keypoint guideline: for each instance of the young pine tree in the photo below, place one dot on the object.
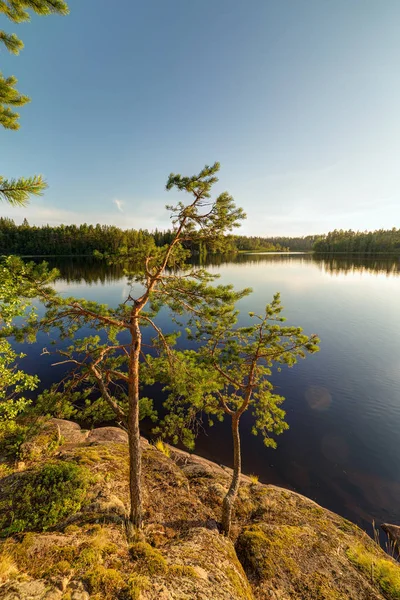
(229, 375)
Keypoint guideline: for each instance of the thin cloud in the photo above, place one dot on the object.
(119, 204)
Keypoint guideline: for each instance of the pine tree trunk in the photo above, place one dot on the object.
(135, 467)
(230, 497)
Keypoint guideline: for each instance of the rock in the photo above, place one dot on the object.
(212, 525)
(107, 434)
(393, 533)
(53, 595)
(193, 470)
(209, 569)
(29, 590)
(108, 503)
(78, 591)
(70, 432)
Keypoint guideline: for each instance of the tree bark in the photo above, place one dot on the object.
(135, 467)
(230, 497)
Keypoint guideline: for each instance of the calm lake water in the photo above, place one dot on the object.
(342, 404)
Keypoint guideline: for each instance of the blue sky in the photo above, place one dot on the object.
(298, 99)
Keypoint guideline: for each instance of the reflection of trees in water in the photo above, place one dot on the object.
(92, 271)
(266, 257)
(335, 265)
(79, 269)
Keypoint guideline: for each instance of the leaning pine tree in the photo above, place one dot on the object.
(162, 277)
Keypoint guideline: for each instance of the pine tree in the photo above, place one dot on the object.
(18, 191)
(228, 375)
(114, 364)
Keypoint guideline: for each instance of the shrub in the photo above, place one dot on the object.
(28, 439)
(40, 499)
(12, 436)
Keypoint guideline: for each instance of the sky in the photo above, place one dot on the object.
(299, 100)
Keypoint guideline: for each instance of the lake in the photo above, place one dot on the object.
(342, 404)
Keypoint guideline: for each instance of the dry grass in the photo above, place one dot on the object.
(159, 444)
(8, 568)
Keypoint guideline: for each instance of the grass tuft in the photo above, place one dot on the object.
(163, 448)
(8, 568)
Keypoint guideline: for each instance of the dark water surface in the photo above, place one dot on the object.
(343, 404)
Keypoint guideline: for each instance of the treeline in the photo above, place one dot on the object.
(78, 240)
(72, 240)
(293, 244)
(363, 242)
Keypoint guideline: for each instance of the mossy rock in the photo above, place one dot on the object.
(150, 560)
(384, 571)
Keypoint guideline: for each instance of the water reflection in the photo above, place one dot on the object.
(92, 271)
(389, 265)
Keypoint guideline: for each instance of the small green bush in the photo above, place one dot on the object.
(27, 439)
(40, 499)
(12, 436)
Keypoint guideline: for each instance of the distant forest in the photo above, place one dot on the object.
(78, 240)
(361, 242)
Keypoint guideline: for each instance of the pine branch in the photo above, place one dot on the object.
(17, 191)
(11, 42)
(17, 10)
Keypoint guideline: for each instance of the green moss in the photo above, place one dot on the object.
(63, 567)
(318, 587)
(88, 556)
(348, 526)
(182, 571)
(39, 499)
(384, 572)
(107, 582)
(71, 529)
(264, 553)
(239, 583)
(136, 584)
(150, 559)
(88, 456)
